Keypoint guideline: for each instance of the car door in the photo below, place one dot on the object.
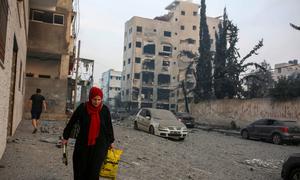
(258, 127)
(267, 129)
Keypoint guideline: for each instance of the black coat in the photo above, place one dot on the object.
(87, 160)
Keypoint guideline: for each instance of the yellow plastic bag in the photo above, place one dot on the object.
(110, 165)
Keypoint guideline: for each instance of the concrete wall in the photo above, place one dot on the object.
(243, 112)
(55, 93)
(17, 27)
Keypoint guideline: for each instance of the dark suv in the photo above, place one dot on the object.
(186, 119)
(277, 131)
(291, 167)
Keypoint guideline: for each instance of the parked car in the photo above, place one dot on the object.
(291, 167)
(186, 119)
(277, 131)
(160, 122)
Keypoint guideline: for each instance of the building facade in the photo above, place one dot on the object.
(110, 84)
(154, 64)
(13, 47)
(286, 69)
(50, 53)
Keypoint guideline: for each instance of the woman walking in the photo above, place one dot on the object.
(94, 138)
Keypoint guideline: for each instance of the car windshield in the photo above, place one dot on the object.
(162, 114)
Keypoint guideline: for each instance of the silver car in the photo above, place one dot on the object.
(160, 122)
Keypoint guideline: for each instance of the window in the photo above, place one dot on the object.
(128, 60)
(3, 27)
(128, 76)
(137, 60)
(127, 91)
(123, 63)
(167, 33)
(195, 13)
(176, 19)
(129, 45)
(182, 27)
(183, 13)
(194, 27)
(111, 77)
(279, 70)
(58, 19)
(138, 44)
(47, 17)
(139, 29)
(123, 78)
(124, 48)
(136, 75)
(130, 30)
(154, 30)
(149, 49)
(167, 48)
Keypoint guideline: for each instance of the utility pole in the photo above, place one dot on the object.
(76, 73)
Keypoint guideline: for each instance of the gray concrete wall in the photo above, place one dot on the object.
(243, 112)
(55, 93)
(17, 27)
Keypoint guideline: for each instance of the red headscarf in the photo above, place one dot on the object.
(94, 115)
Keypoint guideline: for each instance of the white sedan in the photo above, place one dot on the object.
(160, 122)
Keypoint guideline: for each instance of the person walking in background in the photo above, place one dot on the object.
(37, 101)
(94, 138)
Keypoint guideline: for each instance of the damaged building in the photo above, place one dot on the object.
(154, 66)
(13, 49)
(50, 53)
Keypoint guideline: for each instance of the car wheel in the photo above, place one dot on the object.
(276, 139)
(135, 126)
(295, 174)
(245, 134)
(151, 130)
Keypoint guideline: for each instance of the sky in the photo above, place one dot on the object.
(102, 27)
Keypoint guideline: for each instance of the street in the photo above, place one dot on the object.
(202, 155)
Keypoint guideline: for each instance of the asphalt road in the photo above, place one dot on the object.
(202, 155)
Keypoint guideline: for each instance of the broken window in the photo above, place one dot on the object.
(139, 29)
(58, 19)
(138, 44)
(148, 64)
(162, 106)
(167, 33)
(163, 79)
(148, 78)
(147, 94)
(166, 63)
(135, 93)
(137, 60)
(46, 17)
(3, 28)
(136, 75)
(149, 48)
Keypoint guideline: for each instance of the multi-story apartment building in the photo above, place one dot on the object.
(110, 83)
(50, 53)
(153, 64)
(286, 69)
(13, 48)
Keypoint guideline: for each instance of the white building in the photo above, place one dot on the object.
(152, 65)
(286, 69)
(110, 83)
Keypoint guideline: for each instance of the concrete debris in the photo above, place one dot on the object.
(273, 164)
